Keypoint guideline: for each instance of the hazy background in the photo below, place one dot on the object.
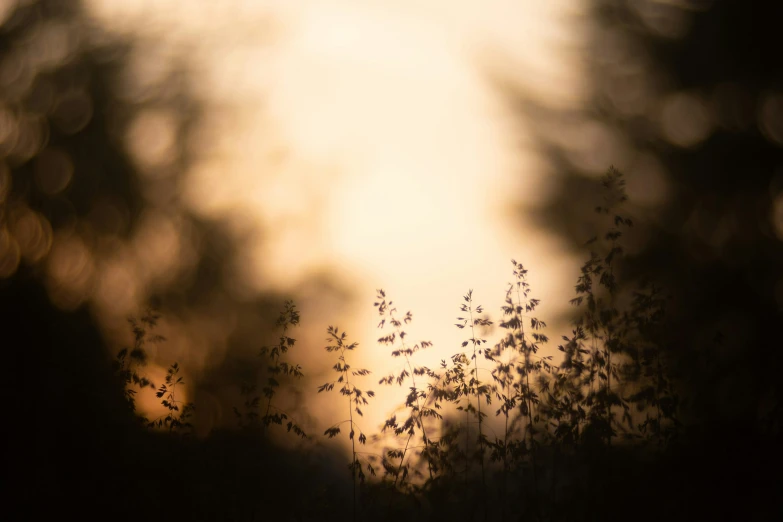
(218, 158)
(342, 147)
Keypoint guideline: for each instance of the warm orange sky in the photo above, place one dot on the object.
(366, 139)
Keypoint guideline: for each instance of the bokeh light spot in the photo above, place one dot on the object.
(151, 138)
(685, 120)
(145, 74)
(70, 270)
(53, 45)
(157, 246)
(33, 234)
(33, 134)
(117, 287)
(647, 184)
(594, 145)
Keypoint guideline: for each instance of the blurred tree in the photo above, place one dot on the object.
(686, 98)
(95, 140)
(78, 198)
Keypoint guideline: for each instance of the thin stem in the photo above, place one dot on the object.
(353, 436)
(527, 384)
(421, 412)
(467, 439)
(418, 421)
(608, 353)
(505, 452)
(478, 408)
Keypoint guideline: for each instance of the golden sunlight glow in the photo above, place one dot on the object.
(362, 139)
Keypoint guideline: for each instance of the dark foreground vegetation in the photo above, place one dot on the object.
(600, 431)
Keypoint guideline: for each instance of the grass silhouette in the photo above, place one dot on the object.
(578, 435)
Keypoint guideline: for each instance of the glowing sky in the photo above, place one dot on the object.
(367, 139)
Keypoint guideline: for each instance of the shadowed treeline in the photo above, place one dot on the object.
(79, 252)
(94, 152)
(685, 97)
(71, 441)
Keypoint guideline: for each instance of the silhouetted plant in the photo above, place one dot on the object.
(129, 361)
(289, 317)
(564, 392)
(612, 348)
(355, 397)
(178, 411)
(463, 386)
(449, 453)
(601, 322)
(613, 358)
(516, 357)
(417, 400)
(656, 391)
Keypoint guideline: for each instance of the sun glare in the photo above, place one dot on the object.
(365, 140)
